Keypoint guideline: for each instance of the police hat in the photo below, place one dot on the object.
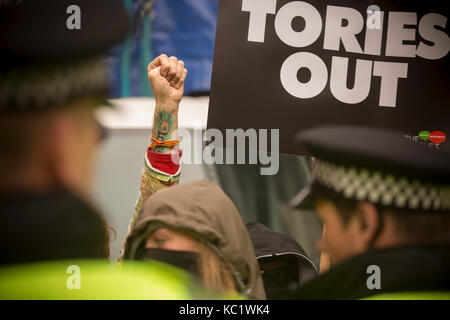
(50, 50)
(379, 166)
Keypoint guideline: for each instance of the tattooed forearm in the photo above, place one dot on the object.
(165, 123)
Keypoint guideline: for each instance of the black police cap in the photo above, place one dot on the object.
(45, 61)
(376, 165)
(33, 31)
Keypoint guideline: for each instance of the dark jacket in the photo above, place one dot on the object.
(51, 226)
(403, 269)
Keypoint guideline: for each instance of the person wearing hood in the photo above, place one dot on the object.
(284, 264)
(193, 226)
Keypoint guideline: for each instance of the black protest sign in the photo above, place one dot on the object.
(293, 65)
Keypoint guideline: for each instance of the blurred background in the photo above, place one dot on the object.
(185, 29)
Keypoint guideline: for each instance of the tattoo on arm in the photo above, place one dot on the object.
(164, 125)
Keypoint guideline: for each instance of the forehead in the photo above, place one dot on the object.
(167, 231)
(162, 230)
(86, 103)
(322, 202)
(325, 208)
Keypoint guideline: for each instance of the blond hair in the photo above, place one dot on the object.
(215, 273)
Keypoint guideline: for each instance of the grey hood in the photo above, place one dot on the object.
(202, 208)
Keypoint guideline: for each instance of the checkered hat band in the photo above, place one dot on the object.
(381, 188)
(43, 86)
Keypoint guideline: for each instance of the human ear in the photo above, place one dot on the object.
(368, 222)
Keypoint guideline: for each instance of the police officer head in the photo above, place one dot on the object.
(374, 189)
(52, 78)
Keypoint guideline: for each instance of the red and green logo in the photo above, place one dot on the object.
(436, 137)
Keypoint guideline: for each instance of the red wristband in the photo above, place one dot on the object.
(167, 163)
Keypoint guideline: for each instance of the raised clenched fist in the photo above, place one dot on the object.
(166, 76)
